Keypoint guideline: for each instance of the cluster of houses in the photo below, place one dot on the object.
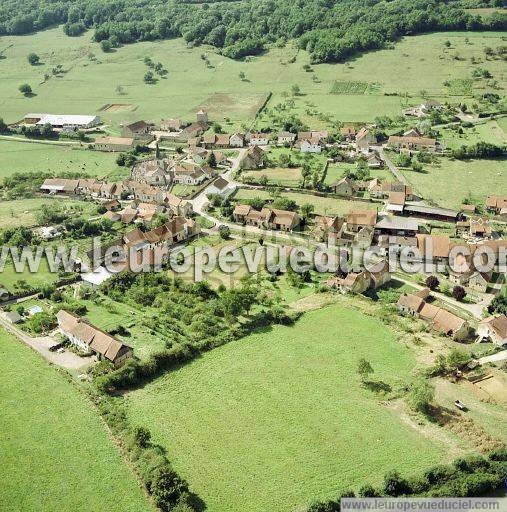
(88, 338)
(117, 191)
(417, 304)
(164, 172)
(359, 282)
(267, 218)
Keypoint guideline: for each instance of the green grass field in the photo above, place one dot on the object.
(494, 132)
(56, 454)
(323, 205)
(31, 156)
(93, 78)
(457, 179)
(276, 176)
(279, 418)
(21, 212)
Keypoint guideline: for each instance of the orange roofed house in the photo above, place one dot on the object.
(497, 204)
(269, 218)
(88, 337)
(358, 219)
(440, 319)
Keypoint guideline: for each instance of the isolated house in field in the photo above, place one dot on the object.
(253, 159)
(345, 187)
(89, 338)
(364, 139)
(113, 144)
(494, 329)
(286, 138)
(358, 219)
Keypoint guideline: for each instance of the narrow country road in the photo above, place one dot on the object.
(397, 174)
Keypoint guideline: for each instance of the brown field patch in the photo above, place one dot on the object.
(116, 107)
(221, 102)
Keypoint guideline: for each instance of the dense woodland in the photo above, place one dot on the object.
(331, 30)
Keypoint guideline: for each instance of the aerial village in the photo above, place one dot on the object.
(174, 196)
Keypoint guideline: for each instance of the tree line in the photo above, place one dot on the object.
(331, 30)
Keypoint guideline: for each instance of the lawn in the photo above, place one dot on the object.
(56, 454)
(286, 177)
(109, 315)
(19, 156)
(323, 205)
(458, 179)
(9, 277)
(278, 419)
(346, 92)
(336, 171)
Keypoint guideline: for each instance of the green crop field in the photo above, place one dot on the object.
(17, 156)
(348, 92)
(56, 454)
(457, 179)
(279, 418)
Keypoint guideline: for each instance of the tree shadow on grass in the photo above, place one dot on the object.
(377, 386)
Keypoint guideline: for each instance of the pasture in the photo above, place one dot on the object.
(56, 454)
(26, 156)
(459, 178)
(290, 396)
(346, 92)
(494, 132)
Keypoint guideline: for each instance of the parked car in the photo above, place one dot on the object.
(460, 405)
